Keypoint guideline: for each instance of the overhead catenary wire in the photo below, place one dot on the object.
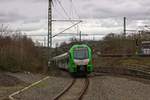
(65, 12)
(55, 6)
(63, 9)
(59, 4)
(74, 7)
(67, 15)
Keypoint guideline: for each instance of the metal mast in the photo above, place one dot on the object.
(124, 26)
(49, 40)
(49, 37)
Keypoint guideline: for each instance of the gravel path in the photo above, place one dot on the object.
(46, 90)
(117, 88)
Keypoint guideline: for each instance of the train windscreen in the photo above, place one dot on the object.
(146, 45)
(80, 53)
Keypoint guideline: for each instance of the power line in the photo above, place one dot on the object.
(63, 9)
(64, 34)
(72, 21)
(67, 20)
(56, 10)
(75, 10)
(66, 11)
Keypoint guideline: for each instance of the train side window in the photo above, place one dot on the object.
(67, 60)
(69, 54)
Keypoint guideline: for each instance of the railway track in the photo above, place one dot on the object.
(75, 90)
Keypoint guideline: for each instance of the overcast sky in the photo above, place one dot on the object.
(99, 16)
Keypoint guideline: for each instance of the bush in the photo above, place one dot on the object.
(18, 53)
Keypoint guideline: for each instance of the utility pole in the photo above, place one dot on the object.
(44, 41)
(2, 30)
(79, 32)
(49, 37)
(124, 26)
(50, 24)
(124, 34)
(80, 36)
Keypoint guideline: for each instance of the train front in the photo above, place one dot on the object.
(81, 59)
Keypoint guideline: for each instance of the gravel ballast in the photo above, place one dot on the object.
(46, 90)
(117, 88)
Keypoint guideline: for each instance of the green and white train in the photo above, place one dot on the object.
(77, 60)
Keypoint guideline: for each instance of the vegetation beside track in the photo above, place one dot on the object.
(19, 53)
(122, 62)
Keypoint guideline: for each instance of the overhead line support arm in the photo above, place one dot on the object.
(66, 29)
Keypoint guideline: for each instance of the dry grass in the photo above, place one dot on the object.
(140, 62)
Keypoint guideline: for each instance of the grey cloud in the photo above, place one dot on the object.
(29, 29)
(110, 13)
(101, 8)
(10, 17)
(5, 0)
(115, 8)
(46, 1)
(32, 20)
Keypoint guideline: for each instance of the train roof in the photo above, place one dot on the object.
(79, 45)
(62, 56)
(145, 42)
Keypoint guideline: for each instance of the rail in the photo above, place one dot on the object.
(84, 89)
(71, 86)
(65, 90)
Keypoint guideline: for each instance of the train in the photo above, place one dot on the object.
(145, 48)
(78, 60)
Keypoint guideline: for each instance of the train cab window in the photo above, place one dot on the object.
(80, 53)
